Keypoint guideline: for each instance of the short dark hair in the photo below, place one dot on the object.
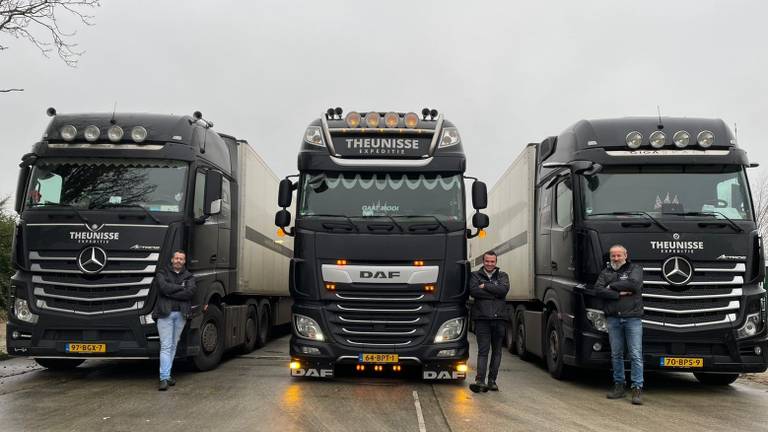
(178, 251)
(490, 252)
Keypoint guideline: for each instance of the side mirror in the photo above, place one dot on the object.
(283, 218)
(285, 194)
(212, 196)
(479, 195)
(480, 220)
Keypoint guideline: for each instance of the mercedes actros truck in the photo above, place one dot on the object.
(379, 272)
(674, 192)
(103, 201)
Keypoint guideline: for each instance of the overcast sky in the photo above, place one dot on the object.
(506, 73)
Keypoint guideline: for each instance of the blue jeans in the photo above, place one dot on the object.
(170, 329)
(629, 331)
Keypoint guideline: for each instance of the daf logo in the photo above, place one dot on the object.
(379, 274)
(92, 260)
(677, 270)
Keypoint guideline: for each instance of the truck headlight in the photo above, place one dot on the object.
(450, 137)
(597, 318)
(314, 135)
(22, 312)
(307, 328)
(451, 330)
(751, 326)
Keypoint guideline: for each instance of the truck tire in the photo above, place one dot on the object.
(262, 336)
(718, 379)
(251, 330)
(520, 338)
(59, 364)
(211, 340)
(509, 336)
(553, 348)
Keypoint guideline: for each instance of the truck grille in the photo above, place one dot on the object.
(384, 319)
(712, 297)
(123, 285)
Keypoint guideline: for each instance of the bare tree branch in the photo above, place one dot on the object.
(760, 197)
(37, 22)
(10, 90)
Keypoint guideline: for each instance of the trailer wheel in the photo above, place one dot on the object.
(59, 364)
(251, 330)
(262, 336)
(211, 340)
(719, 379)
(554, 348)
(522, 352)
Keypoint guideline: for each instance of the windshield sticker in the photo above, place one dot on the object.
(115, 200)
(659, 202)
(378, 208)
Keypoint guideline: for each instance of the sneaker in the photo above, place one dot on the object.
(478, 387)
(171, 381)
(637, 396)
(618, 391)
(163, 385)
(492, 386)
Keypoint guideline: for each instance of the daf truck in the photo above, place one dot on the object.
(379, 272)
(103, 201)
(674, 192)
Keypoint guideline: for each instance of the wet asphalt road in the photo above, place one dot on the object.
(255, 392)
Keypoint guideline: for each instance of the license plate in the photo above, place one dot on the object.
(86, 348)
(378, 358)
(681, 362)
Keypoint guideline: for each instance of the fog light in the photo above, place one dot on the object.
(597, 346)
(310, 350)
(758, 350)
(15, 334)
(462, 367)
(447, 353)
(295, 365)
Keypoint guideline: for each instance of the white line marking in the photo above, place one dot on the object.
(419, 415)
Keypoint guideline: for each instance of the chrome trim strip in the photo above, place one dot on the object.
(382, 162)
(35, 256)
(353, 332)
(327, 133)
(385, 129)
(379, 344)
(737, 280)
(379, 321)
(738, 268)
(730, 318)
(731, 305)
(734, 293)
(438, 134)
(115, 146)
(153, 337)
(378, 310)
(40, 280)
(42, 305)
(147, 269)
(381, 299)
(40, 292)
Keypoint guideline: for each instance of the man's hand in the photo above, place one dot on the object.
(205, 307)
(482, 285)
(625, 293)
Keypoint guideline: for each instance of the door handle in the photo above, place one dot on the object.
(213, 258)
(553, 265)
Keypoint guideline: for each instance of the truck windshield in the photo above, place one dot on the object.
(668, 192)
(157, 185)
(393, 195)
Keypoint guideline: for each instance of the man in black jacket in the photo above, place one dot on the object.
(620, 285)
(175, 289)
(488, 286)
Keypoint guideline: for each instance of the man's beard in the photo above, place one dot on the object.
(616, 266)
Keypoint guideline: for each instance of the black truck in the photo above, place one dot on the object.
(104, 200)
(674, 192)
(379, 272)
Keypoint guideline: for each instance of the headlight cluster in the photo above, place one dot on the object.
(751, 326)
(451, 330)
(597, 318)
(450, 137)
(307, 328)
(373, 119)
(681, 139)
(22, 312)
(92, 133)
(314, 135)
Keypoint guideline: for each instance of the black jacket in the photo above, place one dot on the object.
(174, 292)
(628, 278)
(490, 300)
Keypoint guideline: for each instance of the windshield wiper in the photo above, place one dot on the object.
(65, 206)
(111, 205)
(388, 217)
(713, 214)
(633, 213)
(427, 216)
(335, 216)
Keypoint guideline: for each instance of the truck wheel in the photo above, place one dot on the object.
(263, 333)
(520, 339)
(211, 340)
(554, 348)
(509, 336)
(719, 379)
(59, 364)
(251, 330)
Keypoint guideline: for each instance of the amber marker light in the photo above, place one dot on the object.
(330, 286)
(294, 365)
(429, 288)
(341, 262)
(280, 232)
(418, 263)
(482, 233)
(461, 367)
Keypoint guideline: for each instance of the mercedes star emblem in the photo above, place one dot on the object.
(677, 270)
(92, 260)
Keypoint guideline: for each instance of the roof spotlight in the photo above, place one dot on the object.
(329, 113)
(425, 113)
(433, 114)
(658, 139)
(391, 119)
(681, 138)
(338, 112)
(705, 138)
(372, 119)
